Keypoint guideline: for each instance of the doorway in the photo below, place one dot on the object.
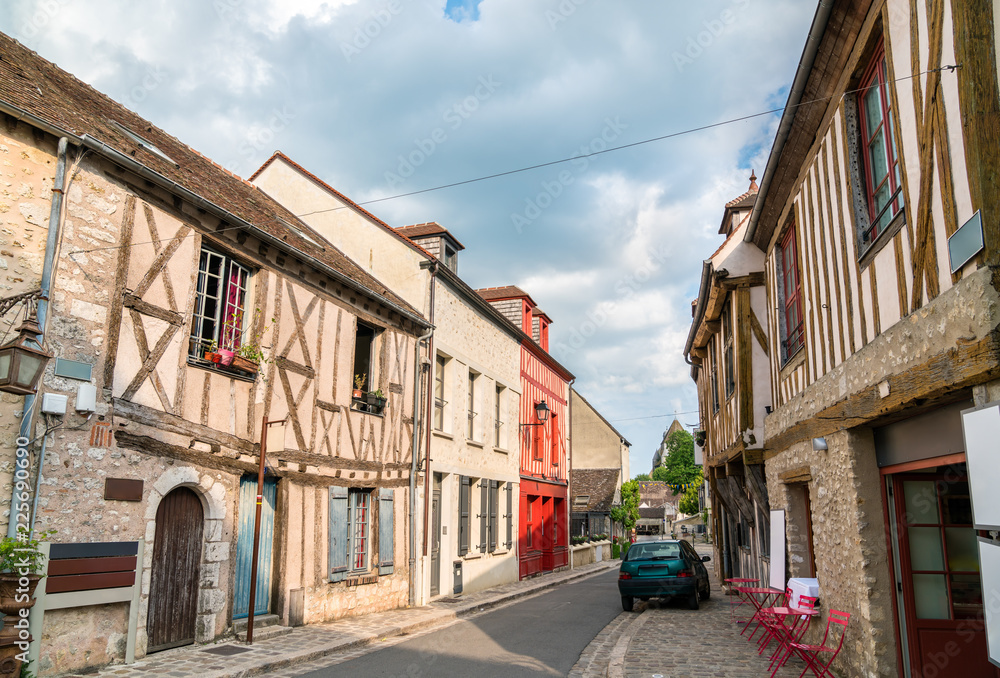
(436, 537)
(938, 581)
(173, 587)
(244, 546)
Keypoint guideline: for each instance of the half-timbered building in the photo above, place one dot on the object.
(543, 437)
(467, 489)
(200, 309)
(727, 347)
(878, 216)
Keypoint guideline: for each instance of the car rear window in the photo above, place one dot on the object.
(650, 551)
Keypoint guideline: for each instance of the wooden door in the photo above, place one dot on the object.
(244, 547)
(436, 537)
(173, 588)
(939, 567)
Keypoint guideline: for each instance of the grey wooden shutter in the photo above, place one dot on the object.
(494, 499)
(464, 502)
(339, 534)
(386, 540)
(510, 516)
(484, 509)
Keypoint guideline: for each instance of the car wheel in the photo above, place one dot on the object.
(627, 603)
(707, 593)
(693, 601)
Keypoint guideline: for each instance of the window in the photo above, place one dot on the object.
(471, 431)
(450, 257)
(350, 531)
(878, 148)
(537, 431)
(554, 439)
(439, 401)
(497, 416)
(364, 346)
(220, 304)
(727, 349)
(792, 327)
(713, 377)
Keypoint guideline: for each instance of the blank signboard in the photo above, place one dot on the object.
(989, 560)
(777, 580)
(982, 433)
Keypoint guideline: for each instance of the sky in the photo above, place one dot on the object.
(384, 98)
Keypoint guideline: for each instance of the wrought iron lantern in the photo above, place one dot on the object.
(541, 412)
(22, 359)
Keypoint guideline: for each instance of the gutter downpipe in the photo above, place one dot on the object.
(569, 476)
(413, 461)
(430, 404)
(699, 311)
(816, 31)
(51, 244)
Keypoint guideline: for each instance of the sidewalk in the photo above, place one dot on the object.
(234, 659)
(664, 638)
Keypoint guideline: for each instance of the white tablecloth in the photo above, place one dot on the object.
(802, 587)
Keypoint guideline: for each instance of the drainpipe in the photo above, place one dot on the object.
(430, 405)
(569, 474)
(51, 244)
(413, 461)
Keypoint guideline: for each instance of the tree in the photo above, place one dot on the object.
(626, 514)
(642, 476)
(689, 502)
(679, 467)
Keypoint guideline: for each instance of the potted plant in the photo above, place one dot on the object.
(21, 568)
(359, 385)
(376, 399)
(248, 358)
(211, 354)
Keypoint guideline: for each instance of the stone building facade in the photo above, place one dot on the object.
(165, 259)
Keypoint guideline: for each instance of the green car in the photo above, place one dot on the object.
(660, 569)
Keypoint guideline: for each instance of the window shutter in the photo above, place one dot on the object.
(463, 510)
(494, 500)
(510, 516)
(484, 509)
(339, 535)
(386, 541)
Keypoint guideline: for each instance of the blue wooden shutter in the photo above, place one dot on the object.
(464, 503)
(494, 500)
(484, 509)
(339, 534)
(510, 516)
(385, 531)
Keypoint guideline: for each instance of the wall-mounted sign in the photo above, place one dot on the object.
(966, 242)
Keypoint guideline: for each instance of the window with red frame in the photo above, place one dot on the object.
(554, 442)
(792, 329)
(536, 439)
(878, 147)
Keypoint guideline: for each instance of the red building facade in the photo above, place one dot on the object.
(543, 539)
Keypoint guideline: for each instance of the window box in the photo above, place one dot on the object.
(368, 404)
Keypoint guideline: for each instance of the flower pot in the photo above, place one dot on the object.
(10, 665)
(358, 394)
(246, 365)
(9, 583)
(226, 357)
(210, 356)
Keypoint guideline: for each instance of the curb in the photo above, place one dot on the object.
(616, 662)
(440, 618)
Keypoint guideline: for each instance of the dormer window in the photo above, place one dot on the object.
(450, 257)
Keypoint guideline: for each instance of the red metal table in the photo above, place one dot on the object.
(760, 597)
(785, 633)
(736, 599)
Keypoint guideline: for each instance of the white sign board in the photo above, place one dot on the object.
(777, 580)
(981, 428)
(989, 562)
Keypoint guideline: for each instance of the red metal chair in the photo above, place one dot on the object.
(762, 614)
(812, 654)
(776, 629)
(737, 599)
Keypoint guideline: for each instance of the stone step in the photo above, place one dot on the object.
(265, 632)
(259, 622)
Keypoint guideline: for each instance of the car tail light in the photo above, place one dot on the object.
(684, 573)
(624, 575)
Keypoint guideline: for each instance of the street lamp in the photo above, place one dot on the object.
(22, 359)
(541, 412)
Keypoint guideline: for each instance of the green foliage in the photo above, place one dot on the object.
(678, 467)
(626, 514)
(20, 552)
(642, 476)
(359, 381)
(689, 502)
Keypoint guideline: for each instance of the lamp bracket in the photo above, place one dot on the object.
(8, 303)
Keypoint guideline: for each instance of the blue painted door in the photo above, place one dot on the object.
(244, 546)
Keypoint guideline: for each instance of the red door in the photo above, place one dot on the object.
(939, 567)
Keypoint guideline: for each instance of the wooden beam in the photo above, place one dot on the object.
(754, 279)
(962, 366)
(739, 497)
(168, 422)
(802, 474)
(146, 308)
(757, 485)
(753, 456)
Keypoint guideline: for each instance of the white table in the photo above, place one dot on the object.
(802, 586)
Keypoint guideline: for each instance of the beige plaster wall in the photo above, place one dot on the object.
(595, 444)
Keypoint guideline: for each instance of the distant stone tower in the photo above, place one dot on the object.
(660, 456)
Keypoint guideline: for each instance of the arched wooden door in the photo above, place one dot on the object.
(173, 589)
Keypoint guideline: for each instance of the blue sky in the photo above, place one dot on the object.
(385, 97)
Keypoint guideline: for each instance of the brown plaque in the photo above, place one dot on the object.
(123, 489)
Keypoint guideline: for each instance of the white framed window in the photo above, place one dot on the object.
(498, 437)
(440, 404)
(220, 311)
(473, 406)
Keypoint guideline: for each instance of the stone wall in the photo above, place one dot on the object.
(848, 540)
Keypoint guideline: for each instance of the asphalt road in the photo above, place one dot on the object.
(540, 636)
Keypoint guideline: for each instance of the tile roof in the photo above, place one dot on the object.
(505, 292)
(657, 493)
(429, 228)
(651, 512)
(599, 484)
(53, 98)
